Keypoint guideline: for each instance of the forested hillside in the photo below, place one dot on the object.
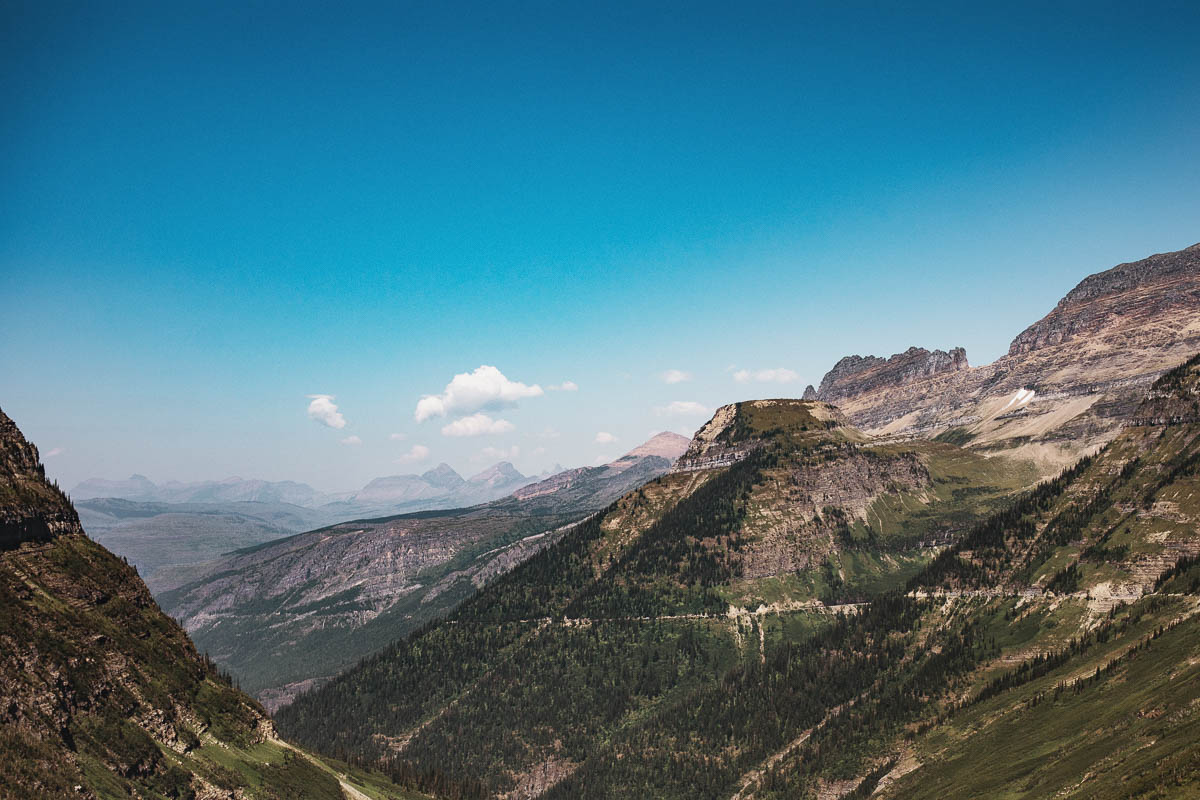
(675, 643)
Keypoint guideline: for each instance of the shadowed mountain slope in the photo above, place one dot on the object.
(105, 696)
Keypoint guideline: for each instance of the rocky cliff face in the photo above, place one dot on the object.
(1125, 296)
(1068, 382)
(103, 694)
(31, 509)
(855, 375)
(1174, 399)
(738, 429)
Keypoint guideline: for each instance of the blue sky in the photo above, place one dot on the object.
(210, 212)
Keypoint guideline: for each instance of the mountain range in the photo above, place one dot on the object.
(169, 531)
(765, 625)
(903, 594)
(922, 579)
(1066, 384)
(441, 485)
(292, 612)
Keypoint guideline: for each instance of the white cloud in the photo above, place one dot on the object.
(682, 408)
(58, 451)
(599, 460)
(323, 410)
(476, 425)
(398, 437)
(549, 433)
(418, 452)
(539, 451)
(497, 454)
(604, 437)
(777, 375)
(565, 386)
(468, 392)
(352, 440)
(676, 376)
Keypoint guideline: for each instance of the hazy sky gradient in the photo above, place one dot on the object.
(211, 213)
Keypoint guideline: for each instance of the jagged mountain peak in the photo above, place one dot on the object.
(1068, 382)
(17, 454)
(1135, 273)
(854, 375)
(443, 476)
(499, 473)
(666, 445)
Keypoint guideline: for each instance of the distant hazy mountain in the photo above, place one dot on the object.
(229, 490)
(440, 487)
(664, 445)
(136, 487)
(170, 531)
(443, 476)
(168, 541)
(603, 484)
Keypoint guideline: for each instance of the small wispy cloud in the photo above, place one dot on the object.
(477, 425)
(549, 433)
(565, 386)
(676, 376)
(418, 452)
(322, 409)
(777, 375)
(57, 451)
(352, 440)
(497, 454)
(683, 408)
(604, 437)
(468, 392)
(398, 437)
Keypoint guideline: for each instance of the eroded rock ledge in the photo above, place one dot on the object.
(855, 375)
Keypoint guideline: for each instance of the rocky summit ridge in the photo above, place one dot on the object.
(1067, 384)
(1137, 290)
(855, 375)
